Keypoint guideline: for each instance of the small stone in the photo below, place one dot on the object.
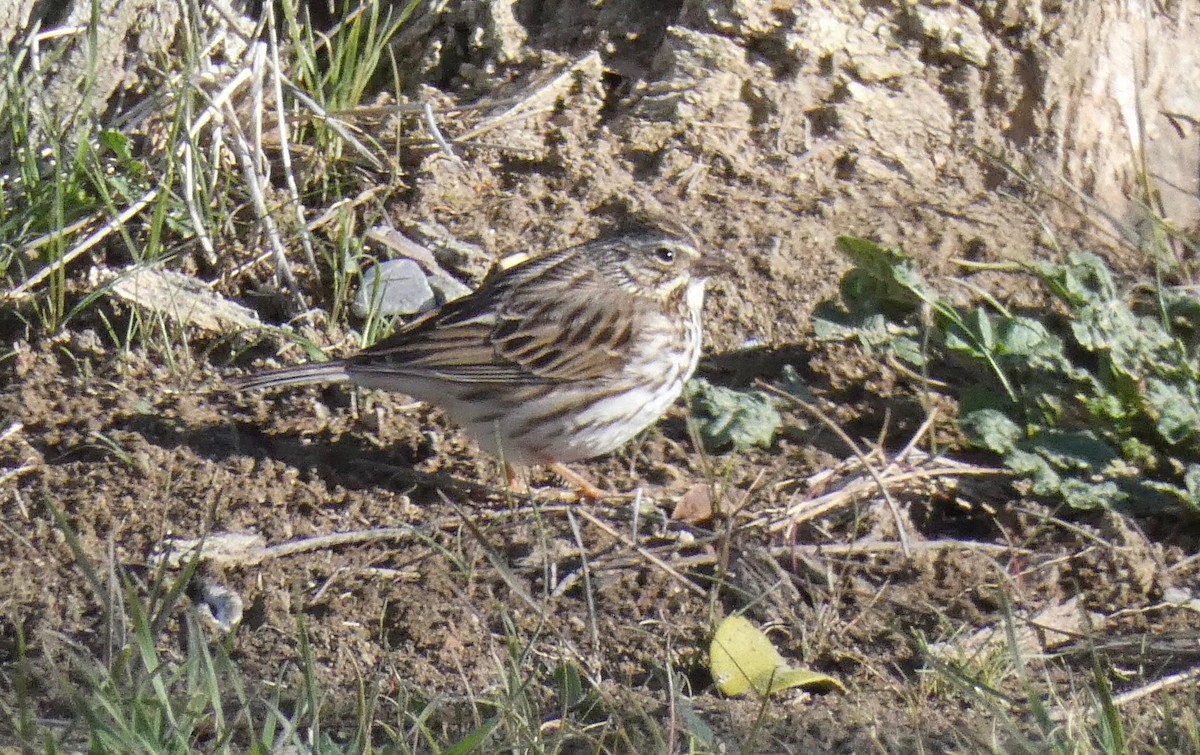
(449, 251)
(447, 288)
(394, 287)
(220, 605)
(1177, 596)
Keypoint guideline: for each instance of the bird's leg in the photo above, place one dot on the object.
(585, 488)
(517, 484)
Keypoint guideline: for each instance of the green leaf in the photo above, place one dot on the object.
(1046, 482)
(570, 684)
(1191, 479)
(992, 429)
(728, 418)
(875, 260)
(861, 292)
(909, 277)
(909, 350)
(1085, 278)
(972, 336)
(1108, 407)
(896, 279)
(1148, 497)
(576, 694)
(1176, 410)
(474, 738)
(1079, 451)
(1138, 453)
(833, 324)
(1024, 336)
(117, 143)
(1085, 496)
(692, 722)
(981, 328)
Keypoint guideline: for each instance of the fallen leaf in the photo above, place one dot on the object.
(695, 505)
(742, 658)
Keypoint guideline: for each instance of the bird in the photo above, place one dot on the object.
(553, 359)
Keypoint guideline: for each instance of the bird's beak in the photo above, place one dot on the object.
(711, 267)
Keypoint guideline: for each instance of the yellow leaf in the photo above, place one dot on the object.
(742, 658)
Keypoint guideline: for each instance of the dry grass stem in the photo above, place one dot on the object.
(901, 526)
(645, 553)
(285, 151)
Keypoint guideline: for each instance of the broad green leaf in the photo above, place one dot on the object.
(1191, 479)
(576, 694)
(692, 721)
(957, 341)
(1138, 453)
(909, 351)
(1095, 326)
(875, 260)
(1108, 407)
(826, 329)
(985, 396)
(1085, 495)
(1024, 336)
(1046, 482)
(908, 276)
(992, 429)
(1085, 278)
(728, 418)
(570, 684)
(830, 322)
(902, 282)
(1176, 411)
(1150, 497)
(861, 292)
(1080, 450)
(117, 143)
(742, 659)
(981, 326)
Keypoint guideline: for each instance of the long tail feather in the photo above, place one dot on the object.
(300, 374)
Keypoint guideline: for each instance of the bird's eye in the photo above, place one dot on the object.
(665, 254)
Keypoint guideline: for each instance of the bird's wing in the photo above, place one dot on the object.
(577, 331)
(540, 321)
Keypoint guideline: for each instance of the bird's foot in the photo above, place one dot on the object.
(583, 485)
(584, 489)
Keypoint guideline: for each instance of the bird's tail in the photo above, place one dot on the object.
(300, 374)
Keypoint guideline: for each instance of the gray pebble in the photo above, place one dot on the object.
(394, 287)
(447, 288)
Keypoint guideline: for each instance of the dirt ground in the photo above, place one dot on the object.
(770, 129)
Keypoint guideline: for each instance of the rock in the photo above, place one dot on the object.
(394, 287)
(445, 286)
(448, 251)
(176, 296)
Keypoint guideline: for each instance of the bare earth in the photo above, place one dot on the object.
(770, 132)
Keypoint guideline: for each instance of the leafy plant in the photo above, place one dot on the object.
(1095, 401)
(732, 419)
